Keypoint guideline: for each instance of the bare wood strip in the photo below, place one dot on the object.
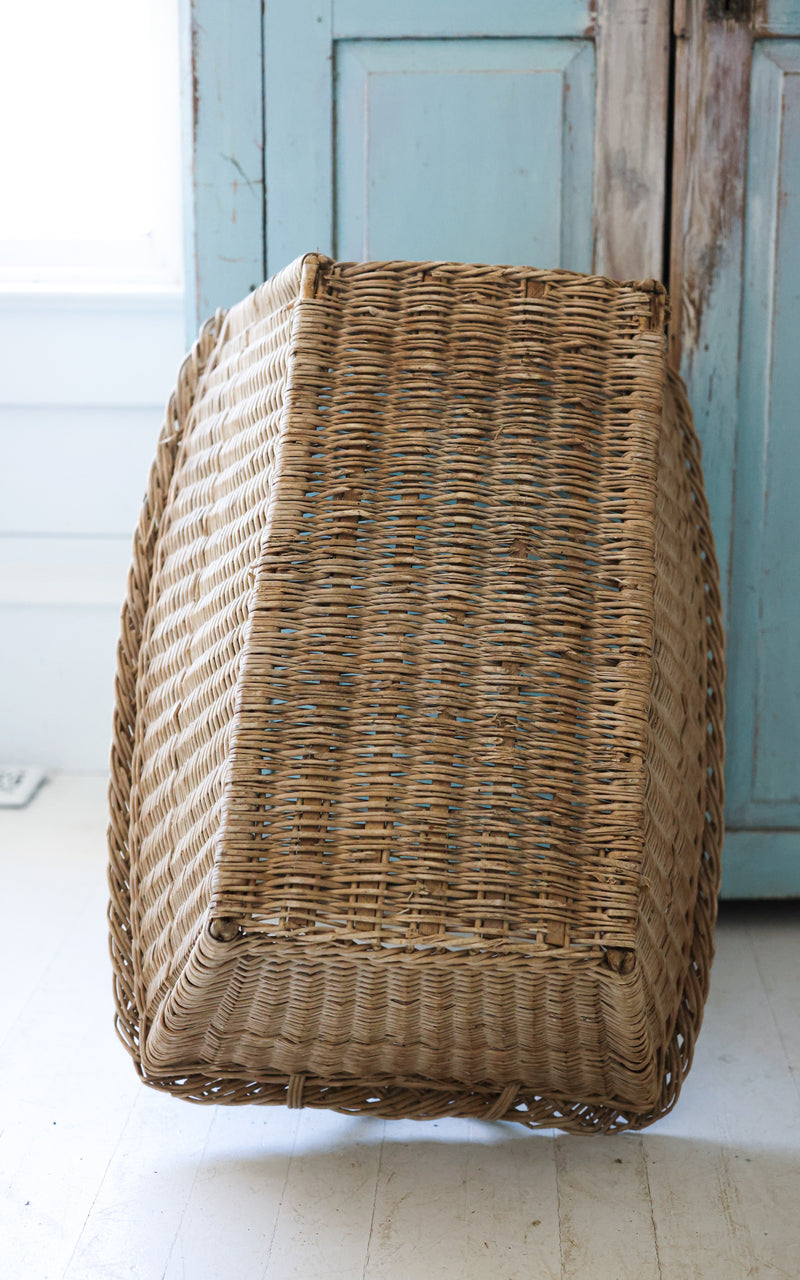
(630, 147)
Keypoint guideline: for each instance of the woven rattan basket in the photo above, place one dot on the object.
(416, 775)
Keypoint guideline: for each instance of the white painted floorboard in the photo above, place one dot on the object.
(103, 1179)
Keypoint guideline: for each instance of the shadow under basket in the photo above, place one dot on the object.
(416, 779)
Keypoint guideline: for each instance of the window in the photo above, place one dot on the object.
(90, 149)
(91, 335)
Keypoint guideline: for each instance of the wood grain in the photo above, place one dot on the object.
(102, 1179)
(631, 137)
(604, 1209)
(765, 581)
(708, 172)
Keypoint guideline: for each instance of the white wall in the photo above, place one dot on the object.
(83, 383)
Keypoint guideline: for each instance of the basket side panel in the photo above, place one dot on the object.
(443, 716)
(132, 622)
(681, 867)
(197, 616)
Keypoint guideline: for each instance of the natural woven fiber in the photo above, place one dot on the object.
(416, 779)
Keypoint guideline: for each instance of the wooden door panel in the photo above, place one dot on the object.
(445, 19)
(578, 178)
(735, 285)
(477, 150)
(764, 780)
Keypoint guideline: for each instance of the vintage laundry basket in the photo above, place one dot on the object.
(416, 775)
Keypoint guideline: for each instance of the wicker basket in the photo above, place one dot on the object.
(416, 775)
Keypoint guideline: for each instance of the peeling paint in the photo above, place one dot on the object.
(730, 10)
(255, 183)
(714, 106)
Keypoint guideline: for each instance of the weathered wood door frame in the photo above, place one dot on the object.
(712, 306)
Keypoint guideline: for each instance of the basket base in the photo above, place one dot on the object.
(257, 1008)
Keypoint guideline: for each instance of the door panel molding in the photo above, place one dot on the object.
(632, 60)
(448, 19)
(764, 773)
(427, 96)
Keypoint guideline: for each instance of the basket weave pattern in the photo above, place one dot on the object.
(416, 780)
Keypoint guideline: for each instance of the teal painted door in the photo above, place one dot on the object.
(501, 130)
(736, 291)
(436, 157)
(537, 131)
(476, 131)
